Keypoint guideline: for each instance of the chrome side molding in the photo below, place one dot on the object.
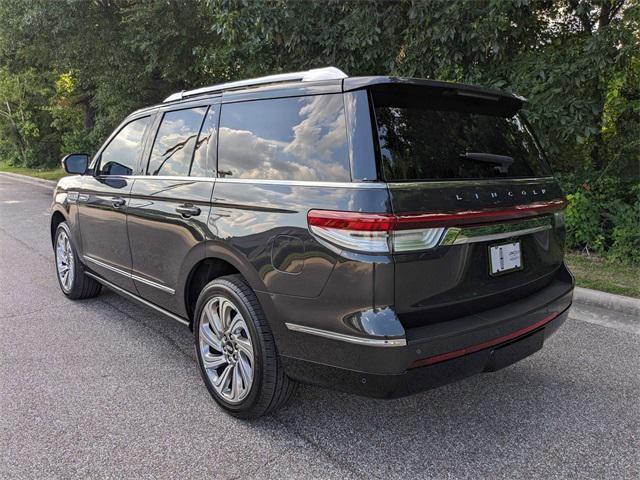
(129, 275)
(369, 342)
(138, 299)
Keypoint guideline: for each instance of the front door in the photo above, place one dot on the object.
(103, 203)
(170, 204)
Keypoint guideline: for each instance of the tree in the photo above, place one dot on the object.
(569, 57)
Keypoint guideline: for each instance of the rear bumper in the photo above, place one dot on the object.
(434, 354)
(418, 379)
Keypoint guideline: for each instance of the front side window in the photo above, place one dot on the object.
(121, 155)
(300, 138)
(175, 142)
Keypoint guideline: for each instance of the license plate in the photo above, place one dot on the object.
(505, 258)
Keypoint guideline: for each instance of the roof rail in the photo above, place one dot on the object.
(327, 73)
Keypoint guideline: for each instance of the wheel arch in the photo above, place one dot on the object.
(217, 262)
(57, 217)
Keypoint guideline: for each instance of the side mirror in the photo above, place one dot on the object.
(76, 163)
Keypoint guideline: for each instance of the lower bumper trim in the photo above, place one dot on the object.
(481, 346)
(371, 342)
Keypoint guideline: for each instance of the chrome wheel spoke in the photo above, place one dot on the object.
(211, 312)
(223, 379)
(236, 387)
(246, 372)
(245, 348)
(209, 337)
(225, 311)
(237, 324)
(210, 360)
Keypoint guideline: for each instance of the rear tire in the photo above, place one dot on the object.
(73, 282)
(236, 351)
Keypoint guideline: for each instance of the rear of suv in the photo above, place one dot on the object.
(377, 235)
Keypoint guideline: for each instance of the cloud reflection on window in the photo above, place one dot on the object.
(175, 142)
(120, 156)
(300, 138)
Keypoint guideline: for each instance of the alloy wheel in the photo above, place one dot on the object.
(64, 261)
(226, 349)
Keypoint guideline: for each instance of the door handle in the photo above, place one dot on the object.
(118, 202)
(188, 211)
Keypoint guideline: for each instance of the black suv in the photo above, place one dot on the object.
(378, 235)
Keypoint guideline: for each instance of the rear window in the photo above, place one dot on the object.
(300, 138)
(453, 142)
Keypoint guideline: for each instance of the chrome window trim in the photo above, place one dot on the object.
(313, 183)
(126, 293)
(304, 183)
(252, 181)
(370, 342)
(129, 275)
(469, 182)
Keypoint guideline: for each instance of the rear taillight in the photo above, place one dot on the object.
(386, 232)
(372, 232)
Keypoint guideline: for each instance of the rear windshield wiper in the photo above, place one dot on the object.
(503, 161)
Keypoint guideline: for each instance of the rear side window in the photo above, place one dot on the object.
(204, 155)
(121, 155)
(300, 138)
(175, 142)
(422, 143)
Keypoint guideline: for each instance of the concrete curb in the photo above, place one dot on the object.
(609, 301)
(28, 179)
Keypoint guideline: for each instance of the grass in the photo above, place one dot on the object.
(600, 274)
(47, 174)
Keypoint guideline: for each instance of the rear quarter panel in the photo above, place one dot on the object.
(266, 224)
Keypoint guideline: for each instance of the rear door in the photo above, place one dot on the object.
(477, 206)
(104, 200)
(170, 203)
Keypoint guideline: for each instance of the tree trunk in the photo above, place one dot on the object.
(21, 143)
(89, 114)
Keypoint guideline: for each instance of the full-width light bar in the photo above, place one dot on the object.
(388, 232)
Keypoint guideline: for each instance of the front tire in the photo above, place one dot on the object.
(73, 282)
(236, 352)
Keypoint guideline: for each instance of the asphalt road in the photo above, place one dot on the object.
(105, 388)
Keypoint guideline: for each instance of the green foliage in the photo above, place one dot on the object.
(70, 70)
(584, 222)
(626, 233)
(26, 135)
(603, 216)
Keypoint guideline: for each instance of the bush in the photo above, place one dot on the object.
(603, 216)
(626, 233)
